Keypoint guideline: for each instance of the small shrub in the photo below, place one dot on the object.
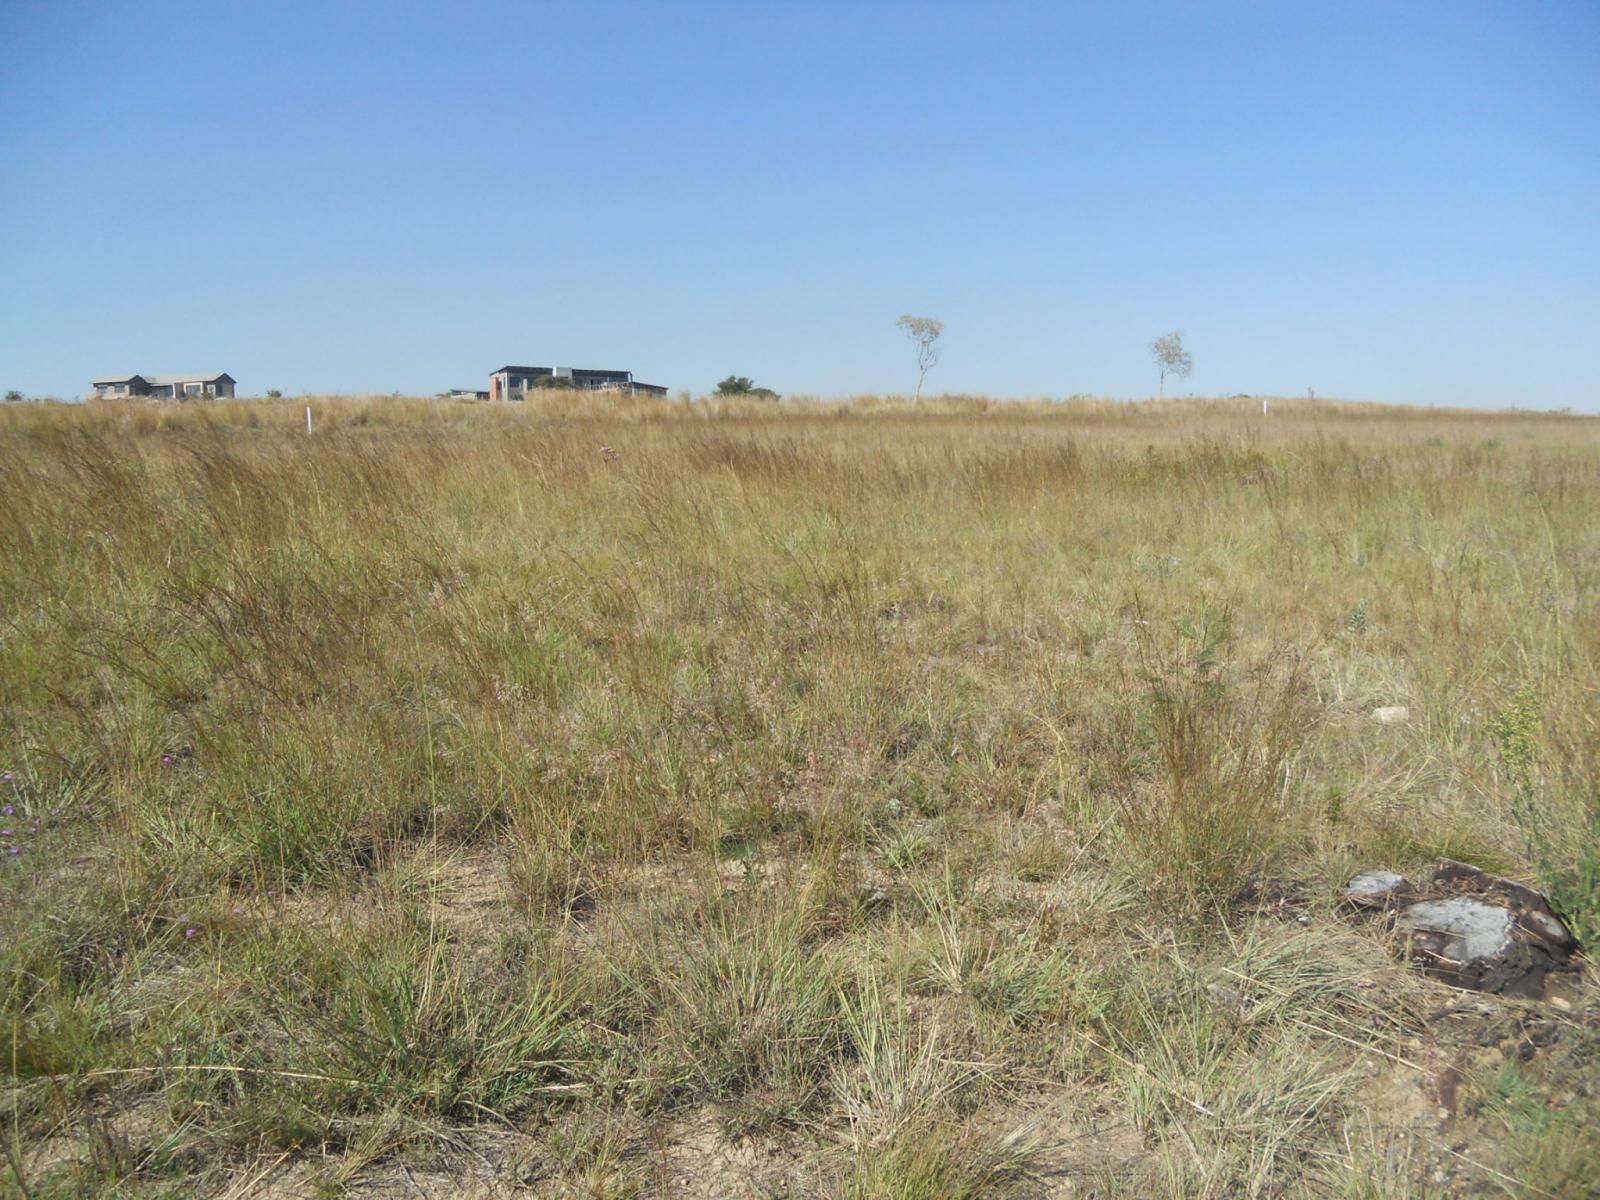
(1562, 841)
(1358, 617)
(1201, 759)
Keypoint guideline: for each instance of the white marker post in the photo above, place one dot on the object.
(308, 418)
(1263, 408)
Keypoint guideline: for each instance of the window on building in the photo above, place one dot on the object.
(191, 389)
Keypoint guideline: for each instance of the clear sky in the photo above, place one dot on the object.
(1387, 201)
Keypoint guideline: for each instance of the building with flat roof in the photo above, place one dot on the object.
(513, 383)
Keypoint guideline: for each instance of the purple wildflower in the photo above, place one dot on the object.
(237, 910)
(8, 809)
(190, 932)
(15, 850)
(5, 833)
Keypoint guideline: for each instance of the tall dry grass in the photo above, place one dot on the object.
(864, 771)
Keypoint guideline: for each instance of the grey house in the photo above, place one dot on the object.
(215, 386)
(512, 383)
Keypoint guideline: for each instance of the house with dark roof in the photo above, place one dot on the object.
(202, 386)
(513, 383)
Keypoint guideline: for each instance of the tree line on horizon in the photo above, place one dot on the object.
(1168, 351)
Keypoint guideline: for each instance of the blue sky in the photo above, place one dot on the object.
(1388, 201)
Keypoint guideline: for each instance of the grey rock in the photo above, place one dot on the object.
(1468, 927)
(1373, 883)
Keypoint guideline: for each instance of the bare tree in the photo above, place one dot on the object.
(924, 333)
(1171, 358)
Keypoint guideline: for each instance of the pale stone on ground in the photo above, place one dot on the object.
(1474, 929)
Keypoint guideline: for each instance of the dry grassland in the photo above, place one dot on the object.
(634, 798)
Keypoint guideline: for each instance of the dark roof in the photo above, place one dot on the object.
(117, 379)
(550, 370)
